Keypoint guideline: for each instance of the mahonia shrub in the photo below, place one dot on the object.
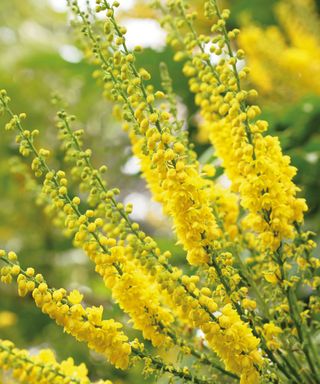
(246, 243)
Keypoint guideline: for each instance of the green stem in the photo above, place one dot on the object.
(236, 73)
(170, 369)
(295, 315)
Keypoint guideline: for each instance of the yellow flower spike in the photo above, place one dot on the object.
(189, 185)
(42, 367)
(198, 253)
(253, 162)
(115, 252)
(85, 324)
(248, 157)
(145, 301)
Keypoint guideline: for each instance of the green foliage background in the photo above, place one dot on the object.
(32, 35)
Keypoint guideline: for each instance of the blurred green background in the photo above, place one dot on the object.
(38, 57)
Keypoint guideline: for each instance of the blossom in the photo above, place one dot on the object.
(41, 367)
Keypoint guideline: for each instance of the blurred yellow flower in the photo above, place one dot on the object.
(7, 319)
(285, 59)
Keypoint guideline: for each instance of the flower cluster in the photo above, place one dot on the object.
(296, 50)
(246, 263)
(116, 264)
(106, 245)
(168, 165)
(254, 163)
(85, 324)
(41, 368)
(174, 180)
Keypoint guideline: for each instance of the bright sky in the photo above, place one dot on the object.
(61, 5)
(144, 32)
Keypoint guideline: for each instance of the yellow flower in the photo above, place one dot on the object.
(75, 297)
(7, 319)
(271, 331)
(41, 367)
(271, 277)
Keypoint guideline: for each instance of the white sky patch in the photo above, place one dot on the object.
(224, 181)
(71, 257)
(200, 334)
(125, 5)
(214, 59)
(312, 157)
(36, 349)
(84, 289)
(132, 166)
(140, 204)
(157, 217)
(240, 64)
(58, 5)
(182, 113)
(70, 53)
(144, 32)
(31, 31)
(7, 35)
(145, 209)
(61, 5)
